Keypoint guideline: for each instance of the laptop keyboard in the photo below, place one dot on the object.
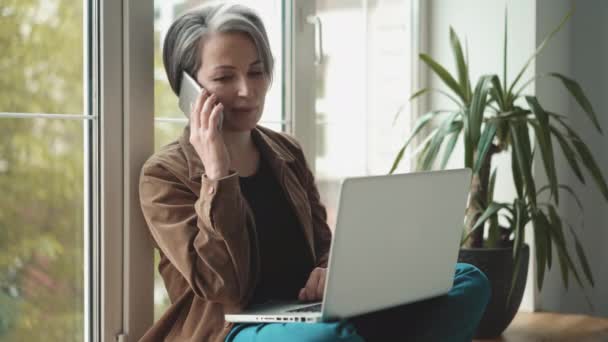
(310, 308)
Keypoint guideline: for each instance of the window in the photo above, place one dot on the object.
(363, 78)
(45, 171)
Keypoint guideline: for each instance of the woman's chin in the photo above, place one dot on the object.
(241, 123)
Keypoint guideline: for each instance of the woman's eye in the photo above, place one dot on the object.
(228, 78)
(222, 78)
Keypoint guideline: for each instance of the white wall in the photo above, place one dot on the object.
(582, 53)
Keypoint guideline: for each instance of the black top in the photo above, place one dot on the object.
(286, 261)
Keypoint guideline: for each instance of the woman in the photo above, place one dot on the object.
(235, 213)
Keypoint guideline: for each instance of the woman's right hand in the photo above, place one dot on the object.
(206, 137)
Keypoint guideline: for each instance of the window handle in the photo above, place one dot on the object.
(316, 21)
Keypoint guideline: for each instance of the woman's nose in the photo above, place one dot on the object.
(244, 87)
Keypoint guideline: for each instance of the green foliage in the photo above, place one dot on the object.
(41, 172)
(494, 122)
(41, 169)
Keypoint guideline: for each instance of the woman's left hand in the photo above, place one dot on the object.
(315, 286)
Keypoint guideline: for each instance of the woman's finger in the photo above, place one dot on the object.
(302, 295)
(206, 111)
(199, 110)
(196, 114)
(311, 284)
(321, 285)
(195, 122)
(214, 118)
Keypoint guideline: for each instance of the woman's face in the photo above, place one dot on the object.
(232, 70)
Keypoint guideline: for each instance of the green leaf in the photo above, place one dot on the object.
(516, 171)
(563, 265)
(493, 233)
(516, 267)
(521, 145)
(444, 75)
(519, 238)
(585, 155)
(543, 135)
(509, 219)
(520, 226)
(419, 93)
(421, 123)
(431, 154)
(504, 51)
(565, 260)
(523, 86)
(491, 185)
(541, 248)
(485, 142)
(513, 114)
(498, 93)
(567, 188)
(450, 146)
(590, 164)
(397, 114)
(546, 235)
(427, 90)
(447, 126)
(478, 107)
(425, 149)
(539, 49)
(468, 142)
(561, 118)
(461, 65)
(577, 92)
(582, 257)
(556, 231)
(568, 153)
(492, 209)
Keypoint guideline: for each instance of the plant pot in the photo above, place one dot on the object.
(497, 264)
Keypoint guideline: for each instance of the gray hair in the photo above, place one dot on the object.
(183, 42)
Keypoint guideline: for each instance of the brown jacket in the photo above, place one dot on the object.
(205, 233)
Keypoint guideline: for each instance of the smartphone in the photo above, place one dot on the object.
(189, 91)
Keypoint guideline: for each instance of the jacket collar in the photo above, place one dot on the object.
(274, 152)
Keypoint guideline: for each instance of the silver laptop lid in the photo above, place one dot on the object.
(396, 240)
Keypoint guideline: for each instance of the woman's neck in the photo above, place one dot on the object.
(238, 143)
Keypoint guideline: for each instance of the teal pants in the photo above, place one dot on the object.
(452, 317)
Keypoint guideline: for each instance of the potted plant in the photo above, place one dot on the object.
(493, 118)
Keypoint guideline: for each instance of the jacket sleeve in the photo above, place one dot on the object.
(206, 237)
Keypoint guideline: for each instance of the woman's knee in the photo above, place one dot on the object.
(343, 331)
(471, 283)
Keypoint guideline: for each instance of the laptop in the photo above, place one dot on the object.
(396, 242)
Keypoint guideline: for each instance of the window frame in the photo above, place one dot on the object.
(302, 72)
(123, 96)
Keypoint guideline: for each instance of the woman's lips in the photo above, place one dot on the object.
(244, 110)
